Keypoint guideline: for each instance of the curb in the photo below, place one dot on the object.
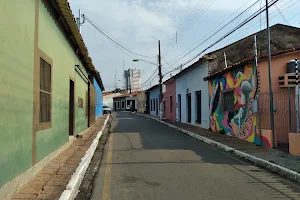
(74, 183)
(257, 161)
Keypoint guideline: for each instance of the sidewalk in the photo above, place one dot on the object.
(277, 157)
(272, 155)
(53, 179)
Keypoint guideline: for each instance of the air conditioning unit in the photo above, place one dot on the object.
(287, 80)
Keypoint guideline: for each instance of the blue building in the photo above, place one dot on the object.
(98, 95)
(153, 103)
(192, 95)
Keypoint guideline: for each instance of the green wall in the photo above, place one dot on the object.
(80, 115)
(16, 87)
(53, 43)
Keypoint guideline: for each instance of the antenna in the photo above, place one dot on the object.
(78, 20)
(116, 84)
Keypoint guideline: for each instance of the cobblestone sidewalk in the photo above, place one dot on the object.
(53, 179)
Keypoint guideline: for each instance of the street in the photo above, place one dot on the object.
(144, 159)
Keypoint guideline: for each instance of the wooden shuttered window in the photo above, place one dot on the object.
(45, 92)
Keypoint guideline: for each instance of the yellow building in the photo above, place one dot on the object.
(141, 101)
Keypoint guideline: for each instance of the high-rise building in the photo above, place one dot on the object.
(132, 77)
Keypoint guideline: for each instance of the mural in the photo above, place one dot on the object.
(241, 122)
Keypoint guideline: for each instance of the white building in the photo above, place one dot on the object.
(132, 77)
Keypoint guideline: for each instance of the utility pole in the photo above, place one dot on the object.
(160, 81)
(270, 76)
(129, 74)
(257, 94)
(297, 96)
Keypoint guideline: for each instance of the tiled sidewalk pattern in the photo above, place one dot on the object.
(53, 179)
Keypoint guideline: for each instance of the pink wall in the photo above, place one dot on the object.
(170, 91)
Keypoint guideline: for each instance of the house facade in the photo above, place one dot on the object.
(191, 95)
(119, 103)
(153, 100)
(45, 87)
(141, 102)
(240, 103)
(239, 95)
(169, 100)
(124, 102)
(98, 96)
(108, 98)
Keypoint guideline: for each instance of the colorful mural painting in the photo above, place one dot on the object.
(240, 122)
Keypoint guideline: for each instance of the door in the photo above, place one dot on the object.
(198, 105)
(189, 108)
(156, 107)
(133, 105)
(179, 108)
(71, 108)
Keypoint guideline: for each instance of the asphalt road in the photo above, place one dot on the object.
(144, 159)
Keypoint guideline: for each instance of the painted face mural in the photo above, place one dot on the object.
(240, 122)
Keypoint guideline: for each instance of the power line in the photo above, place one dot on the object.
(185, 21)
(286, 21)
(112, 40)
(218, 27)
(216, 33)
(196, 18)
(230, 32)
(252, 27)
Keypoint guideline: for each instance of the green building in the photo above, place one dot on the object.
(45, 83)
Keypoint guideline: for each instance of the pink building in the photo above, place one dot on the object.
(169, 99)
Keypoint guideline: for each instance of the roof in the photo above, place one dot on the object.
(107, 93)
(282, 37)
(249, 60)
(99, 80)
(62, 13)
(134, 93)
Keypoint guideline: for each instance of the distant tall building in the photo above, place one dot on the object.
(132, 76)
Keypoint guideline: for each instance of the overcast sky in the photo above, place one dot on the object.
(138, 24)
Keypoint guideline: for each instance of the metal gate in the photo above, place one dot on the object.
(284, 115)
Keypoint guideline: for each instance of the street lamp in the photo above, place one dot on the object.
(137, 60)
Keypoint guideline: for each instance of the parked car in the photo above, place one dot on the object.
(106, 110)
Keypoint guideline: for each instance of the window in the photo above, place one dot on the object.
(45, 92)
(171, 104)
(154, 105)
(123, 104)
(228, 100)
(80, 102)
(118, 104)
(151, 105)
(128, 102)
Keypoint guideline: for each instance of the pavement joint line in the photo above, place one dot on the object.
(257, 161)
(74, 183)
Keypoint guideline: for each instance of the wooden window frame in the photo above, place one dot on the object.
(46, 58)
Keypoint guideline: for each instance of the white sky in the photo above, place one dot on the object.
(138, 24)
